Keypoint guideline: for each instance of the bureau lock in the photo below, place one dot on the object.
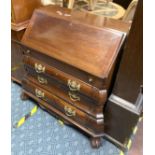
(73, 85)
(39, 68)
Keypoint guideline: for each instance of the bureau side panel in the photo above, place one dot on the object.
(17, 68)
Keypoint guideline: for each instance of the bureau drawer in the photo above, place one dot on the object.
(59, 90)
(68, 110)
(70, 70)
(72, 83)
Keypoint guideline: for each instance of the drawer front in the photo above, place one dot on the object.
(83, 76)
(59, 90)
(64, 107)
(73, 84)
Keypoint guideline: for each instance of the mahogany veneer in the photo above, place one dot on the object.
(70, 59)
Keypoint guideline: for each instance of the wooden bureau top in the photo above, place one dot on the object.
(79, 39)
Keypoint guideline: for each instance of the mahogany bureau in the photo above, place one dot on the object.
(70, 58)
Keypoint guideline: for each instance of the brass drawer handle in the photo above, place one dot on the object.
(39, 93)
(73, 96)
(39, 68)
(69, 112)
(73, 85)
(42, 80)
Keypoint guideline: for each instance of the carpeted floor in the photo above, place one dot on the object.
(41, 134)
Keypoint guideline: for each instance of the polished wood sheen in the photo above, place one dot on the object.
(79, 116)
(21, 12)
(81, 45)
(70, 59)
(56, 88)
(98, 95)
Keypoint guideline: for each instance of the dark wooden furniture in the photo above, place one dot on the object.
(21, 12)
(17, 68)
(124, 106)
(85, 108)
(70, 58)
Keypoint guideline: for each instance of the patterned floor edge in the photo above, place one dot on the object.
(42, 134)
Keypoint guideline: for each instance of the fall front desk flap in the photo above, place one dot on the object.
(75, 38)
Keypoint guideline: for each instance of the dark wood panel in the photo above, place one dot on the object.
(120, 120)
(86, 43)
(17, 66)
(56, 88)
(17, 35)
(130, 74)
(124, 106)
(87, 89)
